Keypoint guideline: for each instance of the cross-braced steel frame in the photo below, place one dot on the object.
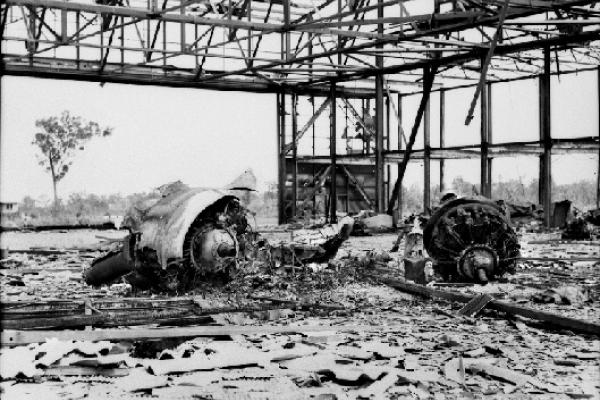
(330, 49)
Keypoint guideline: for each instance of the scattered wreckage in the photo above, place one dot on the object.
(465, 239)
(193, 234)
(471, 239)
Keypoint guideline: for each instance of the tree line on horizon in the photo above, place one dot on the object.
(83, 208)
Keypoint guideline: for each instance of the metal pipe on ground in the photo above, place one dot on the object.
(108, 268)
(572, 324)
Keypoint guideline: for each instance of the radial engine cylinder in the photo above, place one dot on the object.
(471, 240)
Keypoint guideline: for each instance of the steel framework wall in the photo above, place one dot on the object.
(363, 192)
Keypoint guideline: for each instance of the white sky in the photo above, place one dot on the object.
(207, 138)
(160, 135)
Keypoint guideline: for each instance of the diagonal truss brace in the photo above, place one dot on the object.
(358, 118)
(486, 63)
(288, 147)
(429, 76)
(354, 182)
(318, 183)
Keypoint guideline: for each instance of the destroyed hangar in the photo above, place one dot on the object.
(349, 296)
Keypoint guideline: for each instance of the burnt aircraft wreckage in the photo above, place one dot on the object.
(193, 234)
(198, 234)
(471, 239)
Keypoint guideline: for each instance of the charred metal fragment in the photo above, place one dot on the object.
(305, 253)
(418, 267)
(108, 268)
(113, 265)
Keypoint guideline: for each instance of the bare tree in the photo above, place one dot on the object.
(60, 138)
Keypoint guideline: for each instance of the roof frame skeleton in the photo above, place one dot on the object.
(333, 42)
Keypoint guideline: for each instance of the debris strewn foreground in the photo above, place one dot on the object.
(327, 330)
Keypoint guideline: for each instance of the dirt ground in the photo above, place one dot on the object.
(377, 343)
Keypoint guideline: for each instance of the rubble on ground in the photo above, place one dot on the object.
(309, 324)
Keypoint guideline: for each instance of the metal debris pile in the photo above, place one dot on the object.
(194, 236)
(390, 346)
(307, 313)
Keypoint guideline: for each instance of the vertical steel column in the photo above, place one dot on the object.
(442, 137)
(1, 102)
(281, 157)
(400, 131)
(63, 26)
(379, 143)
(294, 155)
(164, 46)
(379, 202)
(598, 170)
(333, 155)
(365, 144)
(489, 138)
(196, 56)
(31, 44)
(229, 14)
(102, 39)
(436, 10)
(312, 101)
(147, 54)
(339, 39)
(77, 27)
(388, 167)
(286, 22)
(249, 43)
(483, 179)
(122, 40)
(347, 203)
(183, 49)
(546, 139)
(285, 55)
(279, 188)
(427, 157)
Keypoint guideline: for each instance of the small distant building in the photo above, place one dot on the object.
(9, 207)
